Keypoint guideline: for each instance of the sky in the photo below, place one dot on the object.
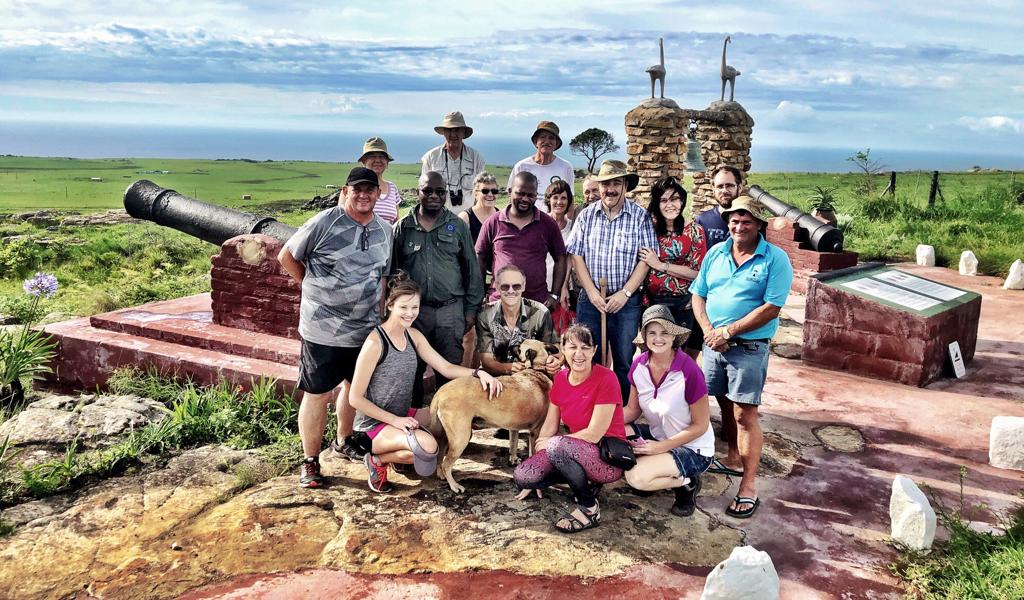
(930, 76)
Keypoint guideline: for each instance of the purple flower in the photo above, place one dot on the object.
(43, 285)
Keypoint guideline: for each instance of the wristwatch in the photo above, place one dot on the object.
(725, 333)
(554, 297)
(628, 293)
(476, 372)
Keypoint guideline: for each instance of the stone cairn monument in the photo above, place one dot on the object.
(656, 136)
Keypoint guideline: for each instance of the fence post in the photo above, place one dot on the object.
(934, 189)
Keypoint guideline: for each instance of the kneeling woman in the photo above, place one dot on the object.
(381, 391)
(668, 387)
(586, 398)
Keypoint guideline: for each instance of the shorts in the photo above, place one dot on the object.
(376, 429)
(322, 368)
(739, 372)
(689, 462)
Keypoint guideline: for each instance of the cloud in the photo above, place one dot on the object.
(793, 110)
(995, 123)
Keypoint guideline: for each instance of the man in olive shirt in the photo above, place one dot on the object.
(435, 247)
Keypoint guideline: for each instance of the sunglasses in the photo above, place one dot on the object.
(364, 240)
(433, 191)
(517, 287)
(494, 191)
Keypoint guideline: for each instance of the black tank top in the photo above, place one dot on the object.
(474, 224)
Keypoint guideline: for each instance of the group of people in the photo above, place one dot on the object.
(460, 288)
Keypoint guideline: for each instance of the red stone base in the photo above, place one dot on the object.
(177, 337)
(806, 262)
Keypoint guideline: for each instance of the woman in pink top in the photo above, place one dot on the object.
(677, 444)
(376, 158)
(586, 399)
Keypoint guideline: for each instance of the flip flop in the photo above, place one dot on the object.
(718, 466)
(743, 514)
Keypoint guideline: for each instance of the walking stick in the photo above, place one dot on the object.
(604, 324)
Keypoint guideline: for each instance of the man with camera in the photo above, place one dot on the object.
(524, 236)
(457, 163)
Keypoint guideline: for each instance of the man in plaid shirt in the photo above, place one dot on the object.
(605, 243)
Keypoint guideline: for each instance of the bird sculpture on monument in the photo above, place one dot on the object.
(657, 72)
(728, 74)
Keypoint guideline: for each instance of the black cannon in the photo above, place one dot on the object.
(208, 222)
(822, 236)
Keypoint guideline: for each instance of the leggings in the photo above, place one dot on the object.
(567, 460)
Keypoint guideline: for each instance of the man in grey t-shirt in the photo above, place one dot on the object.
(340, 257)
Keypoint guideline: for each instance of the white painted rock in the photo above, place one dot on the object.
(912, 517)
(1015, 278)
(747, 574)
(968, 263)
(925, 255)
(1006, 443)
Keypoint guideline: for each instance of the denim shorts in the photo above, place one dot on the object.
(739, 372)
(688, 461)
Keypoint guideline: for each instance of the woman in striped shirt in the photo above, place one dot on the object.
(376, 158)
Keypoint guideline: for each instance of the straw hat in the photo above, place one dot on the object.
(375, 144)
(660, 314)
(453, 120)
(748, 204)
(550, 127)
(613, 169)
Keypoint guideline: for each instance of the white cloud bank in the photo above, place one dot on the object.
(995, 123)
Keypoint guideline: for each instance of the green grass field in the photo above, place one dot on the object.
(103, 268)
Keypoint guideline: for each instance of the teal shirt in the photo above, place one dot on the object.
(732, 292)
(442, 261)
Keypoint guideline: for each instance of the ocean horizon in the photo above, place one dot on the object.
(115, 141)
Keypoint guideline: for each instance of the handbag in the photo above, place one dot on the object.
(617, 453)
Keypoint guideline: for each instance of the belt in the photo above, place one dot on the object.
(442, 303)
(747, 343)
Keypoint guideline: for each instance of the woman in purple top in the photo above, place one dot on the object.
(677, 444)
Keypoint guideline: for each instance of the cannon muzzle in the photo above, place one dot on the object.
(822, 236)
(208, 222)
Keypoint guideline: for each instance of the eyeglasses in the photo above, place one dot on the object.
(494, 191)
(517, 287)
(726, 186)
(433, 191)
(364, 240)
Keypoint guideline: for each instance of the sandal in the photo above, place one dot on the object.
(746, 513)
(718, 466)
(593, 519)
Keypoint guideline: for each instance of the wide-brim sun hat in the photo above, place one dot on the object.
(613, 169)
(375, 144)
(550, 127)
(660, 314)
(748, 204)
(453, 120)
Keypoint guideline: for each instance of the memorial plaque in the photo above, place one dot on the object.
(879, 321)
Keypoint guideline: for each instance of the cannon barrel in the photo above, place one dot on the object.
(208, 222)
(823, 237)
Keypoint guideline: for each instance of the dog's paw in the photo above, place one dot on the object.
(514, 460)
(458, 489)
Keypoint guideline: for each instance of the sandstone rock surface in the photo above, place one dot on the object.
(1006, 443)
(748, 574)
(911, 516)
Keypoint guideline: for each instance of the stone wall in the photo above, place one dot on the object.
(793, 240)
(727, 142)
(656, 145)
(251, 290)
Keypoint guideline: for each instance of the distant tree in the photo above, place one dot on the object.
(869, 169)
(593, 143)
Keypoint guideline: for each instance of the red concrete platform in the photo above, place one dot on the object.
(176, 337)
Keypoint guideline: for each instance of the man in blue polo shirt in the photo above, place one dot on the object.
(742, 285)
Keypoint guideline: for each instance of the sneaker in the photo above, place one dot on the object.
(311, 477)
(346, 451)
(686, 498)
(378, 474)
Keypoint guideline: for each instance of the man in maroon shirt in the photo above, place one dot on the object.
(524, 236)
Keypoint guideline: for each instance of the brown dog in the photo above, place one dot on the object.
(522, 404)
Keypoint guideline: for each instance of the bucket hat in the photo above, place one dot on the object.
(755, 208)
(613, 169)
(660, 314)
(453, 120)
(375, 144)
(424, 462)
(550, 127)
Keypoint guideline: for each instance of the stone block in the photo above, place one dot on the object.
(968, 263)
(925, 255)
(1006, 443)
(1015, 277)
(911, 517)
(748, 573)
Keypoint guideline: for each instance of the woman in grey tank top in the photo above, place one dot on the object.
(381, 390)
